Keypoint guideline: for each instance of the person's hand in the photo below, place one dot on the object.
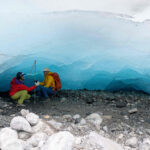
(37, 83)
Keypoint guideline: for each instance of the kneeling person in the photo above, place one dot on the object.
(18, 90)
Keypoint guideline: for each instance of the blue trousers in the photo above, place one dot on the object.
(45, 92)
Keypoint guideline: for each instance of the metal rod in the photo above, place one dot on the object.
(35, 80)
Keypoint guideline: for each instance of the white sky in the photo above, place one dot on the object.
(140, 9)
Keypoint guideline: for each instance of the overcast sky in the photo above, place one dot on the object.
(140, 9)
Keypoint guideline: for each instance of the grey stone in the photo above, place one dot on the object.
(121, 104)
(24, 112)
(7, 134)
(56, 124)
(95, 141)
(37, 139)
(95, 119)
(134, 110)
(77, 116)
(24, 135)
(20, 124)
(60, 141)
(13, 144)
(147, 131)
(63, 100)
(44, 127)
(32, 118)
(68, 118)
(132, 142)
(82, 121)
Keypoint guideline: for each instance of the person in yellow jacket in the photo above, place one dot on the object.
(48, 85)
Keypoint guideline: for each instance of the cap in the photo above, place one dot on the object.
(46, 69)
(20, 74)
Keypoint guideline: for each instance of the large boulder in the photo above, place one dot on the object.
(59, 141)
(7, 134)
(20, 124)
(32, 118)
(13, 144)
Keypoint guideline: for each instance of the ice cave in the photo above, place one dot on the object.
(89, 50)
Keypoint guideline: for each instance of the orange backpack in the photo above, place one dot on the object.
(57, 81)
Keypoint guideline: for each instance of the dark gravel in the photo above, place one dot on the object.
(114, 106)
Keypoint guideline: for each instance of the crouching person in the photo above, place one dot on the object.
(18, 90)
(47, 87)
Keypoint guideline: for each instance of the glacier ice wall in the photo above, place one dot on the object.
(93, 50)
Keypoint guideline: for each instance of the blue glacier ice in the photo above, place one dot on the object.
(93, 50)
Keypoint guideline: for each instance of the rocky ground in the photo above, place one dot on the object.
(122, 116)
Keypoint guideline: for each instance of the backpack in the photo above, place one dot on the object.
(57, 81)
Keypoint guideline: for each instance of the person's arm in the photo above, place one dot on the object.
(42, 83)
(23, 87)
(31, 88)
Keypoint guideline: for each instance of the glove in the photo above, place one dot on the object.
(37, 83)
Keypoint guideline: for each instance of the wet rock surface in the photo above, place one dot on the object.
(122, 117)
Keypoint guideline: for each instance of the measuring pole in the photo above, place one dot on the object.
(35, 80)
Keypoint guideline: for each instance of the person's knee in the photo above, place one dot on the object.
(38, 88)
(24, 92)
(13, 97)
(42, 88)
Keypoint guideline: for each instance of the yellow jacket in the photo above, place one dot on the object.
(48, 81)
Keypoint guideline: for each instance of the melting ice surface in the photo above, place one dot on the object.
(92, 50)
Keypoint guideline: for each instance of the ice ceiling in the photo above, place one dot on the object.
(93, 50)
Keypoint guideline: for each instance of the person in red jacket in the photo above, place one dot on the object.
(18, 90)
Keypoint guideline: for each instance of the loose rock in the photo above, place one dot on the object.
(7, 134)
(59, 141)
(134, 110)
(44, 127)
(24, 112)
(13, 144)
(132, 142)
(37, 139)
(95, 119)
(32, 118)
(24, 135)
(56, 124)
(20, 124)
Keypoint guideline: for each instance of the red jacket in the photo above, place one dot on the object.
(19, 87)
